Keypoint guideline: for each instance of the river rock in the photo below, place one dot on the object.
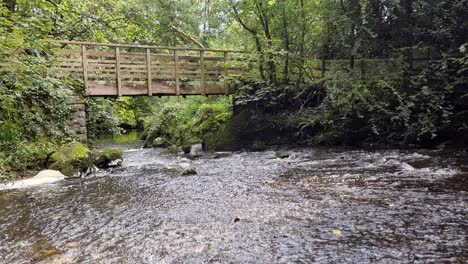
(72, 160)
(282, 154)
(420, 164)
(188, 171)
(160, 142)
(220, 155)
(196, 150)
(108, 158)
(43, 177)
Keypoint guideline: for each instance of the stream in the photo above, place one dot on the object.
(316, 206)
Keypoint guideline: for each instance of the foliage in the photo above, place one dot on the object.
(100, 117)
(183, 123)
(23, 155)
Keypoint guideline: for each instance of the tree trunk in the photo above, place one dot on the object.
(300, 79)
(286, 42)
(408, 42)
(266, 29)
(258, 43)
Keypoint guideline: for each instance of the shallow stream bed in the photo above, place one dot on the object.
(316, 206)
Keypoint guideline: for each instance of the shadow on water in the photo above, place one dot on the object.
(317, 205)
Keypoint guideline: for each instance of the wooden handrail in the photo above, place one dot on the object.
(131, 70)
(67, 42)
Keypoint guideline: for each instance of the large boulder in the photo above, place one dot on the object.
(108, 158)
(43, 177)
(73, 160)
(196, 151)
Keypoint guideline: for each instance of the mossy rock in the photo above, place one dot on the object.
(70, 151)
(73, 159)
(108, 157)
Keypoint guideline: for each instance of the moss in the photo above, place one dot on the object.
(72, 159)
(70, 151)
(105, 157)
(112, 154)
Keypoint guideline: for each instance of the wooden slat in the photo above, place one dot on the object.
(101, 61)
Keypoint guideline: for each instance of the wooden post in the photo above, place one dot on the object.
(177, 78)
(117, 71)
(226, 73)
(84, 62)
(148, 71)
(202, 73)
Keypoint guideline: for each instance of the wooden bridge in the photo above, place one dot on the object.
(136, 70)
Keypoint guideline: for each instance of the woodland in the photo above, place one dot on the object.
(360, 73)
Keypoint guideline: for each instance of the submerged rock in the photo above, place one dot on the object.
(220, 155)
(188, 171)
(108, 158)
(282, 154)
(73, 160)
(43, 177)
(420, 164)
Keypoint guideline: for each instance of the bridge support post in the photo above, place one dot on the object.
(77, 118)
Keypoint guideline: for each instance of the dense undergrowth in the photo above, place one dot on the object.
(182, 122)
(344, 110)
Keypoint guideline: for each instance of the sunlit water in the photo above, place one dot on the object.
(317, 206)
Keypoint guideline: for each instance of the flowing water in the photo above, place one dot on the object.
(316, 206)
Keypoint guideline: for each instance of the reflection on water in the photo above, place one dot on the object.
(317, 206)
(131, 139)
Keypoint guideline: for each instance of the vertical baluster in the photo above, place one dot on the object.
(84, 62)
(117, 71)
(176, 72)
(226, 73)
(148, 71)
(202, 72)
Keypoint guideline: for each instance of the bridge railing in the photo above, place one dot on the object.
(120, 69)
